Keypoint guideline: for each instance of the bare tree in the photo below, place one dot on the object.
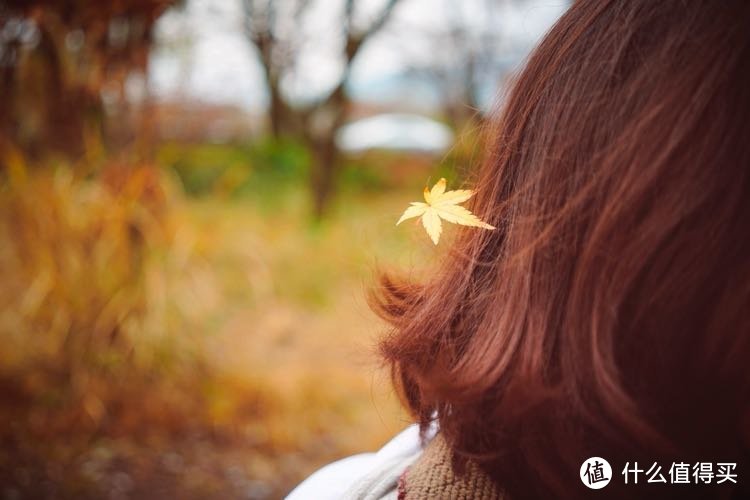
(473, 54)
(276, 29)
(277, 51)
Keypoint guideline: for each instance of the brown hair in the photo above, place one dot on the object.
(609, 313)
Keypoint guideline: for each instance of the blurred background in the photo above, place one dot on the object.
(195, 196)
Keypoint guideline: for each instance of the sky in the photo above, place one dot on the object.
(202, 53)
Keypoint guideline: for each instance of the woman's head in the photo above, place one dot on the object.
(609, 313)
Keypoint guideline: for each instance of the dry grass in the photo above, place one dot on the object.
(156, 346)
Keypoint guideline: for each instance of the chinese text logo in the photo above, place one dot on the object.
(596, 473)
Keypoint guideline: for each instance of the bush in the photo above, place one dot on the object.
(81, 262)
(238, 169)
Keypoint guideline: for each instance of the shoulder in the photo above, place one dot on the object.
(364, 476)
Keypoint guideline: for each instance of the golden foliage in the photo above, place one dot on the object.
(83, 265)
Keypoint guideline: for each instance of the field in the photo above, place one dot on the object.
(186, 330)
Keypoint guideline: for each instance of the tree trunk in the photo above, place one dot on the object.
(323, 174)
(277, 112)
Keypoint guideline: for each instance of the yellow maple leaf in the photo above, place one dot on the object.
(441, 204)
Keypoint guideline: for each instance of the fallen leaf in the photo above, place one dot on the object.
(441, 204)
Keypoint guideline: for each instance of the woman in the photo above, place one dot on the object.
(608, 315)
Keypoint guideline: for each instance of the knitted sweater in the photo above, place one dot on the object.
(432, 477)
